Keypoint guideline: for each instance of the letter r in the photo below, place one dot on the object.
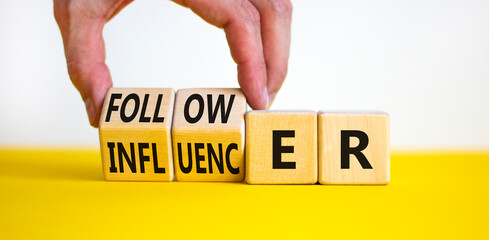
(346, 150)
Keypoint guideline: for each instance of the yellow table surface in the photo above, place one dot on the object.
(61, 194)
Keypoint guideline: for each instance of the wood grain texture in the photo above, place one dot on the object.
(263, 128)
(134, 132)
(375, 125)
(209, 145)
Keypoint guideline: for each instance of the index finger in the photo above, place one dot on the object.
(276, 18)
(241, 22)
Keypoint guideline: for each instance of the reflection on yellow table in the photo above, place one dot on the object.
(62, 195)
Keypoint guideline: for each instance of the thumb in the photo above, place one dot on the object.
(85, 56)
(92, 81)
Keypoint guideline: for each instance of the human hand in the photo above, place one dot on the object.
(257, 31)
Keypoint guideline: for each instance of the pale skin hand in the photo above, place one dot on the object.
(257, 31)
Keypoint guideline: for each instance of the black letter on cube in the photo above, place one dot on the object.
(346, 150)
(278, 149)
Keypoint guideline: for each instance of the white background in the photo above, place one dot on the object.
(424, 62)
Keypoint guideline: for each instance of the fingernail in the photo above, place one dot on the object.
(91, 110)
(271, 98)
(265, 95)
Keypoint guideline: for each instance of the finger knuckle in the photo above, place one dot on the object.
(249, 13)
(77, 71)
(281, 7)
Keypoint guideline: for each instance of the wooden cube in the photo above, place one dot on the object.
(281, 147)
(135, 138)
(208, 134)
(353, 148)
